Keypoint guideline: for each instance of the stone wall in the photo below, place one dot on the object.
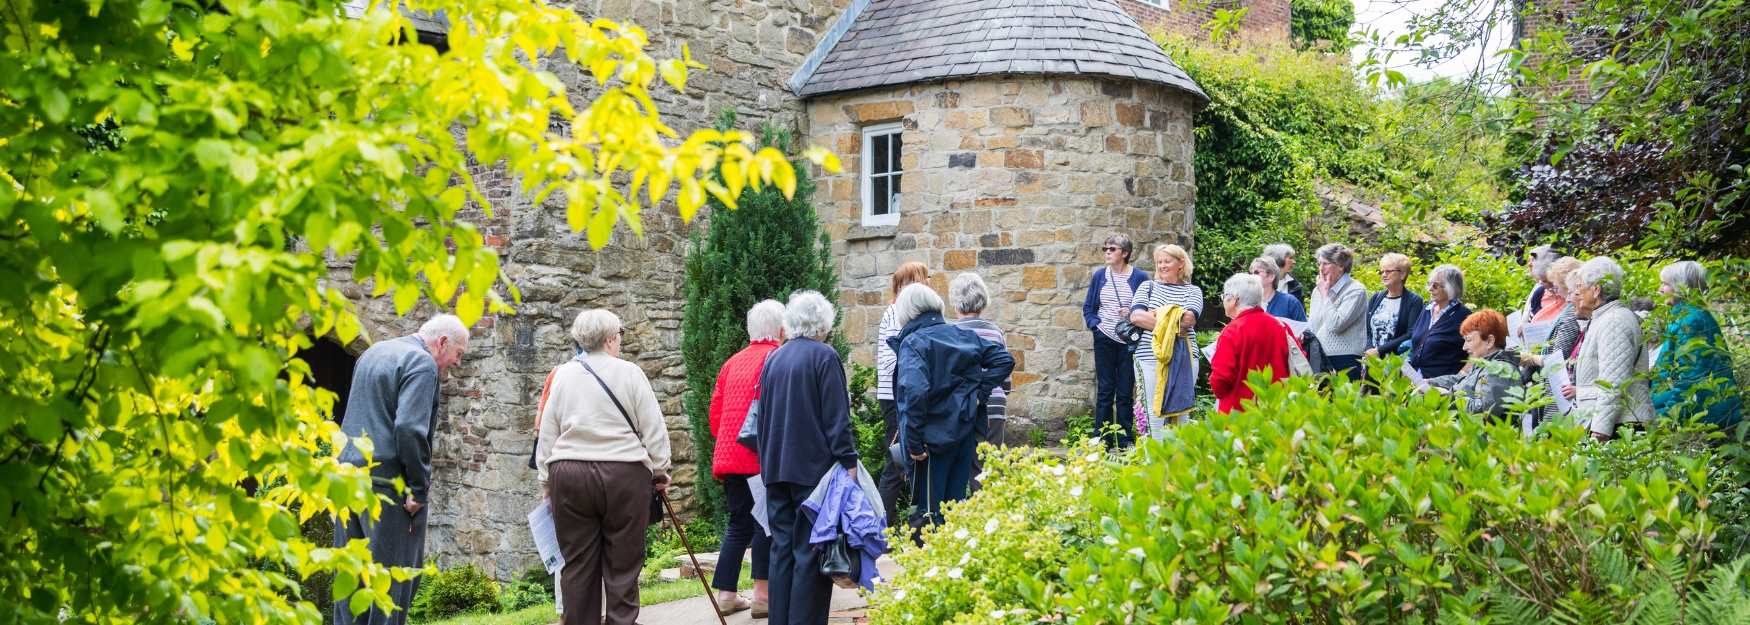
(1266, 20)
(482, 487)
(1020, 180)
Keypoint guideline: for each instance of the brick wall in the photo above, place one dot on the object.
(1552, 15)
(1266, 20)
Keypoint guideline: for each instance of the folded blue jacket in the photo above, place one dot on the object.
(842, 505)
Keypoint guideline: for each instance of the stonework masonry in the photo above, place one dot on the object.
(482, 487)
(1018, 179)
(1266, 20)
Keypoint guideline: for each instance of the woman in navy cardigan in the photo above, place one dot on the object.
(1436, 347)
(1107, 302)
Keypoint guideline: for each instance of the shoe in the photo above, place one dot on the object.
(739, 604)
(760, 609)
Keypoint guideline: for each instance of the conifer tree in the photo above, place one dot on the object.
(766, 247)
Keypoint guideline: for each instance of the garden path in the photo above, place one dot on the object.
(848, 607)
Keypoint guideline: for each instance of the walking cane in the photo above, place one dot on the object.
(676, 522)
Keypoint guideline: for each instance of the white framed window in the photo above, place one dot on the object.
(882, 146)
(1159, 4)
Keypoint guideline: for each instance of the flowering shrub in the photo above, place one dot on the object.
(1004, 546)
(1342, 506)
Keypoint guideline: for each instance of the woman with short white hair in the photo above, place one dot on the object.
(1283, 254)
(1436, 345)
(733, 464)
(603, 447)
(804, 426)
(1611, 389)
(945, 375)
(969, 296)
(1253, 341)
(1695, 370)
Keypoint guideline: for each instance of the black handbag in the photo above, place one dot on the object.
(655, 497)
(749, 435)
(838, 560)
(1126, 331)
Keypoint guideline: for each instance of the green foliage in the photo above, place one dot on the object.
(174, 182)
(1005, 545)
(1322, 24)
(461, 590)
(1351, 506)
(771, 246)
(662, 544)
(1078, 428)
(871, 430)
(533, 587)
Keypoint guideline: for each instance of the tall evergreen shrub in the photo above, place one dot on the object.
(765, 248)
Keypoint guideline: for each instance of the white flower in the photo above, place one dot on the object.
(934, 571)
(960, 534)
(1075, 492)
(1057, 469)
(997, 613)
(964, 558)
(1154, 510)
(1299, 437)
(1138, 552)
(899, 595)
(954, 573)
(1109, 540)
(1094, 457)
(990, 527)
(1239, 447)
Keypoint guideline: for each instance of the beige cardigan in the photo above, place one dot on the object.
(581, 423)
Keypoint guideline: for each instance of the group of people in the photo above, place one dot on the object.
(785, 442)
(1574, 328)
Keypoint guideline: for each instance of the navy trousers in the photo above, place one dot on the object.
(800, 595)
(1116, 396)
(944, 476)
(741, 531)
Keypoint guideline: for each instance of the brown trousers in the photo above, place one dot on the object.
(599, 514)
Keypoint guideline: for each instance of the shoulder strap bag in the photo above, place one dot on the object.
(655, 497)
(1127, 331)
(749, 436)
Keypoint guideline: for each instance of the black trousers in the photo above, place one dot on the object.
(1116, 397)
(741, 531)
(800, 594)
(892, 480)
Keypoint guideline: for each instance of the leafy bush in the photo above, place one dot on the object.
(533, 587)
(871, 430)
(1030, 519)
(1313, 21)
(1350, 506)
(459, 590)
(662, 545)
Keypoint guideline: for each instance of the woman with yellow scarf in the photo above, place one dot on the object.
(1167, 307)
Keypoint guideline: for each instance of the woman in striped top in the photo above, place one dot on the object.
(1171, 287)
(968, 295)
(892, 479)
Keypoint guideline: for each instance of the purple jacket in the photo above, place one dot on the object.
(840, 505)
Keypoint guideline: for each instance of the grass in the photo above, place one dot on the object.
(648, 594)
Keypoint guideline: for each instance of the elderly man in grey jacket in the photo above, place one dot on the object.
(1339, 303)
(1609, 375)
(394, 403)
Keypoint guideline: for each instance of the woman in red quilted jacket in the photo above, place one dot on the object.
(733, 463)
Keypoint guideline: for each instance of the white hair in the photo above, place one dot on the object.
(1685, 277)
(1541, 258)
(1603, 272)
(968, 293)
(1245, 288)
(914, 301)
(593, 327)
(808, 314)
(442, 326)
(1451, 277)
(765, 320)
(1269, 265)
(1279, 252)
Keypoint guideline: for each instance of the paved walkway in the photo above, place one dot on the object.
(847, 607)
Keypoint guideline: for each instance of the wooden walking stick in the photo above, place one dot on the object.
(676, 522)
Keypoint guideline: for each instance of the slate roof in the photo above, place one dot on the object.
(433, 28)
(892, 42)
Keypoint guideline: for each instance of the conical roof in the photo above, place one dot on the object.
(879, 43)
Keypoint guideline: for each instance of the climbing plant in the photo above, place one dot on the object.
(174, 177)
(1322, 24)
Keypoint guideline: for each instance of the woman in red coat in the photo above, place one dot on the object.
(733, 463)
(1253, 340)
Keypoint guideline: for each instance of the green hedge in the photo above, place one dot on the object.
(1353, 507)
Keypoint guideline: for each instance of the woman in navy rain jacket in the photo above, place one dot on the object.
(944, 376)
(1436, 347)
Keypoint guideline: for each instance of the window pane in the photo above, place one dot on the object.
(898, 142)
(878, 158)
(896, 184)
(879, 195)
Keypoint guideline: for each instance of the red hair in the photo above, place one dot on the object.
(1489, 323)
(908, 274)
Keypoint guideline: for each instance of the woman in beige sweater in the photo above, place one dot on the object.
(603, 447)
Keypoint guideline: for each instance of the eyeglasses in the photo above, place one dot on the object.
(1436, 285)
(1386, 272)
(1111, 248)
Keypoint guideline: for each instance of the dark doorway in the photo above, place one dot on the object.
(331, 367)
